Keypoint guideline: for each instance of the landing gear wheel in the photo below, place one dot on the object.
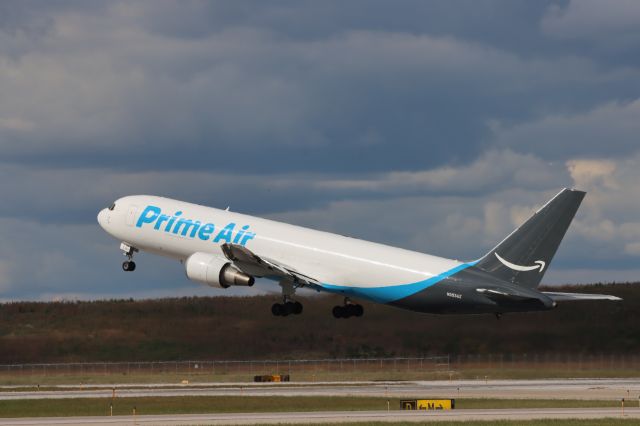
(338, 312)
(286, 308)
(358, 310)
(347, 311)
(128, 266)
(289, 308)
(278, 310)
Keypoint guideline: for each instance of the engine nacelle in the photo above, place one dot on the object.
(215, 271)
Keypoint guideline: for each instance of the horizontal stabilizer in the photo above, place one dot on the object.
(499, 295)
(565, 297)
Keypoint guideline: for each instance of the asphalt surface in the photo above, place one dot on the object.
(511, 389)
(335, 417)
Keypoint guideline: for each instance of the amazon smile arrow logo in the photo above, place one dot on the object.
(538, 264)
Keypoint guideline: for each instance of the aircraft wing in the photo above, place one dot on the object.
(252, 264)
(565, 297)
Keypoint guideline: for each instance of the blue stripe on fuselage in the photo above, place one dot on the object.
(392, 293)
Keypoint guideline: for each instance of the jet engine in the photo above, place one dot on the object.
(215, 271)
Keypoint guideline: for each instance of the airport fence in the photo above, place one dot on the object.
(305, 368)
(445, 366)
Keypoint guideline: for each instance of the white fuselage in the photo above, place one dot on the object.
(221, 249)
(177, 229)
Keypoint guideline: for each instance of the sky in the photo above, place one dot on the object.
(436, 126)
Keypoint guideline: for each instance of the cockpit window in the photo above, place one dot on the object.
(112, 206)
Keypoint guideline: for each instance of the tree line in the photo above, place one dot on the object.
(226, 328)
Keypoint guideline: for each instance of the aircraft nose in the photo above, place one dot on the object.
(102, 217)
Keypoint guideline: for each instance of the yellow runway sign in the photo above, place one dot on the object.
(427, 404)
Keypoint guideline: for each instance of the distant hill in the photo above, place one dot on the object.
(243, 328)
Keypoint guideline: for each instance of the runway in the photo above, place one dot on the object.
(334, 417)
(602, 389)
(502, 389)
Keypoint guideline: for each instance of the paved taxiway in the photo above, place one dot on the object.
(335, 417)
(518, 389)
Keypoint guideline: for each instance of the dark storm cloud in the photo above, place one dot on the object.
(195, 85)
(74, 196)
(432, 125)
(610, 129)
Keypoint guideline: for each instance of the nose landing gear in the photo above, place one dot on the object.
(128, 265)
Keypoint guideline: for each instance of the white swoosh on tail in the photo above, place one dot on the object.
(539, 264)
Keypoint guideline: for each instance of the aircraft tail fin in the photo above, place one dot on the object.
(524, 256)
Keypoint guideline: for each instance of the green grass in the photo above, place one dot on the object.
(544, 372)
(478, 403)
(239, 404)
(491, 373)
(546, 422)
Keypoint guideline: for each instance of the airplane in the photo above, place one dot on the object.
(222, 249)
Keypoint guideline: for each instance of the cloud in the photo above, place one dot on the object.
(423, 125)
(607, 130)
(16, 124)
(93, 189)
(5, 277)
(492, 171)
(592, 19)
(589, 173)
(453, 211)
(632, 248)
(126, 86)
(556, 276)
(607, 228)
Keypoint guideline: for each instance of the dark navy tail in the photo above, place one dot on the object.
(524, 256)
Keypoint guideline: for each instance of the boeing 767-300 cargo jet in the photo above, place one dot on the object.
(223, 249)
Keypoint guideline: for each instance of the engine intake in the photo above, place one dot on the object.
(215, 271)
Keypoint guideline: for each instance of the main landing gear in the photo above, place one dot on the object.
(128, 265)
(286, 308)
(348, 310)
(288, 305)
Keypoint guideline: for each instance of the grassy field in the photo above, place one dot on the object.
(175, 379)
(543, 372)
(548, 422)
(472, 373)
(238, 404)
